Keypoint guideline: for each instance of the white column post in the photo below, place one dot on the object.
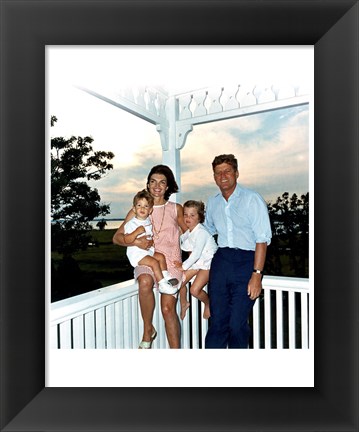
(170, 152)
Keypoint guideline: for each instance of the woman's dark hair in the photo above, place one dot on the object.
(199, 205)
(172, 186)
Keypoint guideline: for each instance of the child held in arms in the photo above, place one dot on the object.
(140, 225)
(201, 246)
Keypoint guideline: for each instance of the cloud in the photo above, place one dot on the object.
(271, 148)
(119, 185)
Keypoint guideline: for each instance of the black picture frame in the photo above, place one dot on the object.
(26, 28)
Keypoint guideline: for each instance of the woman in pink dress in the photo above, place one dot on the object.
(167, 223)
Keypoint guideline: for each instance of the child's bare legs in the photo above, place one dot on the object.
(183, 301)
(155, 264)
(198, 292)
(163, 265)
(161, 259)
(158, 265)
(185, 304)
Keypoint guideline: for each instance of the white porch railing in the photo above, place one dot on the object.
(109, 318)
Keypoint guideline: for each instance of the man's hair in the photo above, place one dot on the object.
(172, 186)
(199, 205)
(225, 158)
(143, 194)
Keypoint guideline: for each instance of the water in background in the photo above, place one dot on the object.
(111, 224)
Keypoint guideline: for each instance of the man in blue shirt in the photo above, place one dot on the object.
(240, 218)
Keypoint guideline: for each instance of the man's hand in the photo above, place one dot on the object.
(254, 286)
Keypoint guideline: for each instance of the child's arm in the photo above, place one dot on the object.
(131, 237)
(201, 239)
(119, 236)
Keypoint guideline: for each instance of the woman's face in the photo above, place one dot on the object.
(157, 185)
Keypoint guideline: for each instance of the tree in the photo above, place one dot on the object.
(73, 202)
(101, 224)
(290, 228)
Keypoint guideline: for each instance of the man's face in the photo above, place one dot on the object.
(225, 177)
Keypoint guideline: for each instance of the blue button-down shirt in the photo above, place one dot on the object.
(240, 222)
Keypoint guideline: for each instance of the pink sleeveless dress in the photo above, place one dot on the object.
(166, 236)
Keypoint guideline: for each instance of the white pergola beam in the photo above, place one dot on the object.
(129, 106)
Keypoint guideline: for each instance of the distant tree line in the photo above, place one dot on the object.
(288, 254)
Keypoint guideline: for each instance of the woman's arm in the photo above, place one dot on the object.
(180, 219)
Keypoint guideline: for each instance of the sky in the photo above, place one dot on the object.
(273, 148)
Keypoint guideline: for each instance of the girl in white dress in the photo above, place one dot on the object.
(201, 246)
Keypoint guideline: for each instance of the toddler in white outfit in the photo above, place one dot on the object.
(140, 226)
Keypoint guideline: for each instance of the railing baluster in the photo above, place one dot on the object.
(291, 319)
(185, 328)
(161, 339)
(65, 335)
(100, 323)
(279, 320)
(304, 320)
(134, 320)
(78, 332)
(195, 327)
(54, 340)
(90, 341)
(110, 326)
(204, 322)
(127, 321)
(256, 325)
(267, 320)
(120, 340)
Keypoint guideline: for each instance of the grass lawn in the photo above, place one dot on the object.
(104, 263)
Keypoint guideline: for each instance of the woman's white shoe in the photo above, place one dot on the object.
(148, 345)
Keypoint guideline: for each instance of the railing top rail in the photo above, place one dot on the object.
(281, 283)
(78, 305)
(69, 308)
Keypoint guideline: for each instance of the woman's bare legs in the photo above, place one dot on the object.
(197, 290)
(147, 304)
(172, 325)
